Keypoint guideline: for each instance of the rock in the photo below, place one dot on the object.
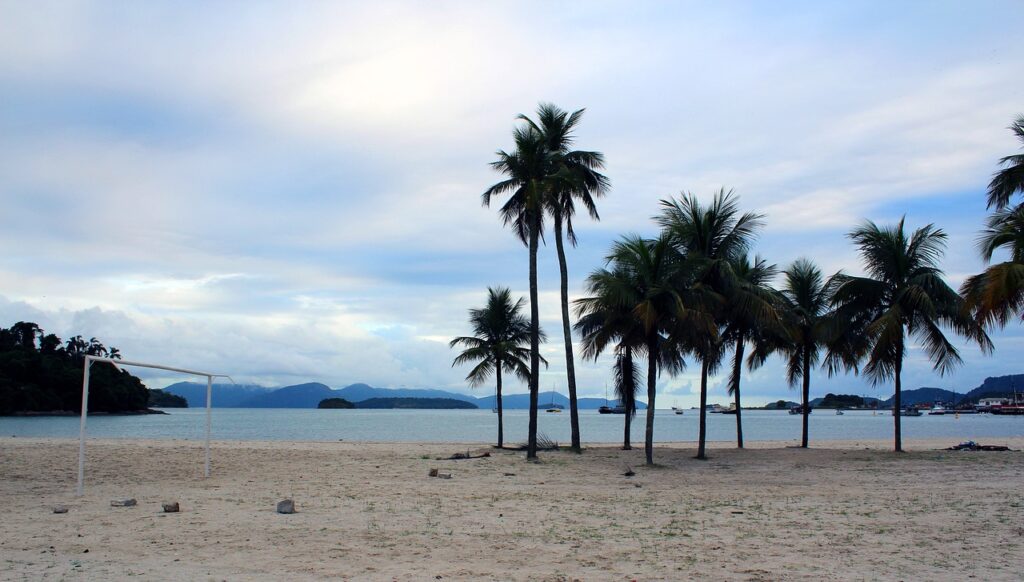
(432, 473)
(60, 508)
(444, 475)
(286, 506)
(171, 507)
(124, 503)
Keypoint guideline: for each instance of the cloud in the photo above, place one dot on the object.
(294, 195)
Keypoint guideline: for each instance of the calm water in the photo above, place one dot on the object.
(481, 426)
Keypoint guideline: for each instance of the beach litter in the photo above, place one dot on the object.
(466, 455)
(973, 446)
(171, 507)
(286, 506)
(438, 474)
(124, 503)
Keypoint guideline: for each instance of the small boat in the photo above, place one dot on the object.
(908, 411)
(800, 409)
(937, 410)
(677, 410)
(839, 412)
(731, 410)
(716, 409)
(612, 410)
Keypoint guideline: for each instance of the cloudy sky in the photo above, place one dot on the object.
(291, 192)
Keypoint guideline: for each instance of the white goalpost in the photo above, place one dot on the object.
(118, 363)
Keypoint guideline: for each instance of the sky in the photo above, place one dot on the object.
(291, 192)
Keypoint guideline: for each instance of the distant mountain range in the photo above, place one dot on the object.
(310, 394)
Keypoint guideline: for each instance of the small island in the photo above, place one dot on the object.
(421, 403)
(161, 399)
(335, 403)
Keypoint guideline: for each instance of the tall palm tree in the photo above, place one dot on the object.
(1010, 179)
(902, 295)
(750, 315)
(499, 332)
(710, 237)
(640, 281)
(526, 167)
(601, 321)
(575, 178)
(806, 301)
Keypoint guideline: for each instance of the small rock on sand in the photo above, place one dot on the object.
(124, 503)
(286, 506)
(432, 473)
(60, 508)
(171, 507)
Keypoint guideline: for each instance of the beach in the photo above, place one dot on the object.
(842, 510)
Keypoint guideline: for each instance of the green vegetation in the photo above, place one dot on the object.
(335, 403)
(426, 403)
(841, 401)
(41, 373)
(501, 331)
(161, 399)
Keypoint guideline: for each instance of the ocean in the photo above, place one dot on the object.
(480, 426)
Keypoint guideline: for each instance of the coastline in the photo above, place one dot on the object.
(369, 511)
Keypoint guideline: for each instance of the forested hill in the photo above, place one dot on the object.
(39, 372)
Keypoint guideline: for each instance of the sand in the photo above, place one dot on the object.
(370, 512)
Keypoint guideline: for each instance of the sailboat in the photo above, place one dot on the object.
(617, 409)
(676, 409)
(552, 407)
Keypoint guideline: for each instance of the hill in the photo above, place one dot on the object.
(306, 395)
(361, 392)
(844, 401)
(161, 399)
(924, 395)
(339, 403)
(420, 403)
(998, 386)
(224, 395)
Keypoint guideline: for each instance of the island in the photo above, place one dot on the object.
(429, 403)
(335, 403)
(161, 399)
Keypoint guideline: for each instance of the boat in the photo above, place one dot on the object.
(799, 409)
(612, 410)
(937, 410)
(839, 412)
(731, 410)
(552, 407)
(716, 408)
(677, 410)
(908, 411)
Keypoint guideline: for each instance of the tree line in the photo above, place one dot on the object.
(39, 372)
(694, 294)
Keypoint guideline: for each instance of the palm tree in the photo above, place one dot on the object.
(575, 177)
(499, 332)
(902, 295)
(603, 320)
(750, 316)
(1010, 179)
(526, 167)
(641, 280)
(711, 238)
(806, 299)
(997, 295)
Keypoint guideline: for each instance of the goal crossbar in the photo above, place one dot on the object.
(118, 363)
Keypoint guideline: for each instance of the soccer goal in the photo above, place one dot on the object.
(118, 363)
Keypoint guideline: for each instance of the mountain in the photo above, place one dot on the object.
(923, 395)
(306, 395)
(360, 392)
(224, 395)
(522, 401)
(997, 386)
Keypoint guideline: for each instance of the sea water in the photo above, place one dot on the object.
(480, 426)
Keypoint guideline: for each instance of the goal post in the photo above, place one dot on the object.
(118, 363)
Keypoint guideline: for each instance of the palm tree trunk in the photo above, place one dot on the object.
(627, 373)
(570, 367)
(625, 433)
(806, 393)
(531, 442)
(737, 369)
(652, 380)
(896, 408)
(497, 403)
(702, 430)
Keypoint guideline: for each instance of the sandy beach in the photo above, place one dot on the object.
(851, 511)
